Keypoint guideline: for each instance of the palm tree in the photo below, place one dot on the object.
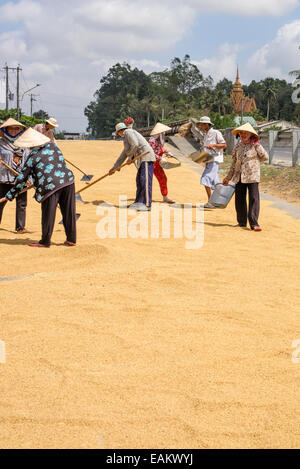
(269, 91)
(295, 73)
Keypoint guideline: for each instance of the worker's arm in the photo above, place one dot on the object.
(120, 160)
(20, 182)
(261, 152)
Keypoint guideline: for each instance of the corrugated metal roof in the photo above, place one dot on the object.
(246, 119)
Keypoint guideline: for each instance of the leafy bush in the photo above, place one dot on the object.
(26, 120)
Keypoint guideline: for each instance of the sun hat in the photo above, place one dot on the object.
(30, 139)
(52, 122)
(205, 120)
(121, 126)
(245, 128)
(12, 123)
(160, 129)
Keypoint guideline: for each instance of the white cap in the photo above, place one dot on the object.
(121, 126)
(52, 122)
(205, 120)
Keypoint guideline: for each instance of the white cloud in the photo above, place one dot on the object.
(26, 10)
(279, 56)
(12, 43)
(247, 8)
(67, 46)
(223, 64)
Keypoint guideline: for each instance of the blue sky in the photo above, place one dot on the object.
(209, 31)
(68, 45)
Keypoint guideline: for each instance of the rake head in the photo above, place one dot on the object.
(78, 215)
(78, 198)
(87, 177)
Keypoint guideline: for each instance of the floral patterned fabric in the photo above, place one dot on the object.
(158, 147)
(48, 170)
(246, 160)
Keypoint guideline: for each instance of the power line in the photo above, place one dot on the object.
(7, 69)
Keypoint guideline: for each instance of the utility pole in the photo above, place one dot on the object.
(18, 69)
(6, 68)
(18, 91)
(6, 76)
(32, 99)
(242, 118)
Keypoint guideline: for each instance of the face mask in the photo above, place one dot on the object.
(11, 138)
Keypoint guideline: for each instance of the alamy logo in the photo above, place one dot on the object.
(2, 352)
(296, 353)
(296, 93)
(164, 221)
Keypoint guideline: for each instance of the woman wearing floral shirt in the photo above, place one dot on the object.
(54, 183)
(245, 173)
(157, 142)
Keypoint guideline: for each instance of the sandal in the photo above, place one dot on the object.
(38, 245)
(69, 243)
(24, 232)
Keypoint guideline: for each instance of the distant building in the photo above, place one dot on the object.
(72, 136)
(241, 103)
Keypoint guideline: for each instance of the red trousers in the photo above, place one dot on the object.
(161, 177)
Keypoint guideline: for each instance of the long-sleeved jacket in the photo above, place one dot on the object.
(48, 133)
(246, 160)
(134, 145)
(48, 170)
(7, 153)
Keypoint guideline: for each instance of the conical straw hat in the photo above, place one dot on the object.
(245, 128)
(30, 139)
(159, 129)
(12, 123)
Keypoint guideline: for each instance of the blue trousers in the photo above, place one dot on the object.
(144, 180)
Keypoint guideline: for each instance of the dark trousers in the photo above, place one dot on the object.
(65, 197)
(144, 179)
(241, 203)
(21, 204)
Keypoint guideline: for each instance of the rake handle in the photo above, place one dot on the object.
(72, 164)
(107, 174)
(15, 173)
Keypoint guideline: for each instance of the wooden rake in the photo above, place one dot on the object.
(78, 196)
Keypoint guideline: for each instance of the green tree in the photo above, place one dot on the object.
(184, 75)
(41, 115)
(269, 90)
(29, 121)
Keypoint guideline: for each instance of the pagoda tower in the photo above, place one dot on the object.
(239, 100)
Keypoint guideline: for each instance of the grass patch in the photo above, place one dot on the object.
(278, 181)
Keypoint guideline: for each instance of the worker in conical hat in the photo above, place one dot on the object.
(15, 158)
(247, 156)
(54, 183)
(157, 142)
